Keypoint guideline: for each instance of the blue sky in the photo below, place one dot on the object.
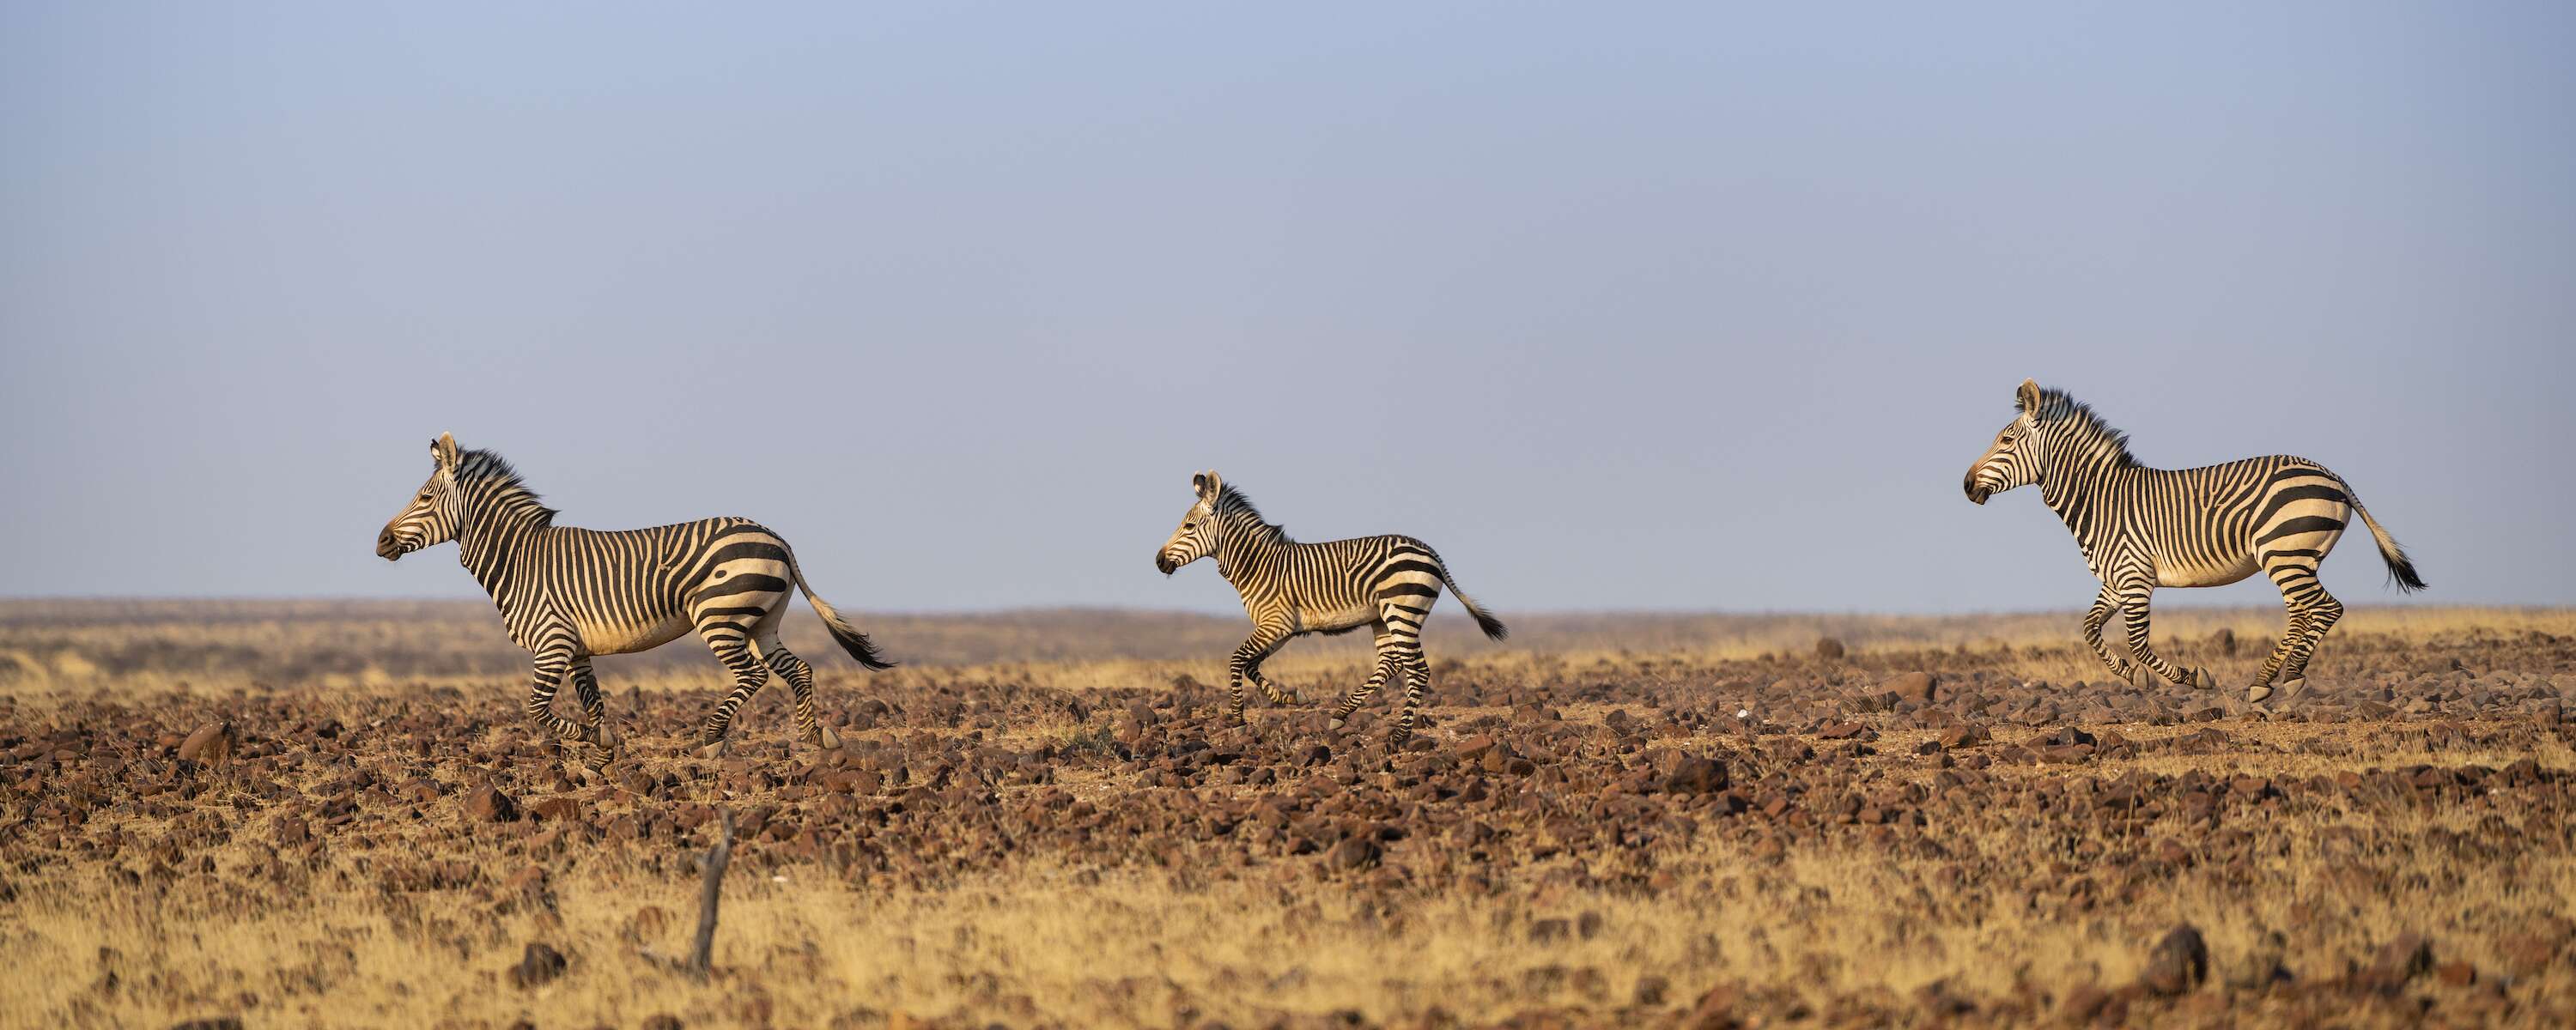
(1667, 307)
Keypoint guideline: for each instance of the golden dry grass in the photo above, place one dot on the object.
(1801, 917)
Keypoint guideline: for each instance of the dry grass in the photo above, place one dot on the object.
(1803, 917)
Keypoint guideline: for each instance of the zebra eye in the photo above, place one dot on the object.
(1189, 525)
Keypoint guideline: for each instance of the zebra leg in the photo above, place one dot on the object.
(2321, 616)
(2133, 611)
(2311, 612)
(1417, 675)
(749, 674)
(594, 716)
(2103, 606)
(548, 673)
(1387, 666)
(1278, 695)
(809, 723)
(1246, 661)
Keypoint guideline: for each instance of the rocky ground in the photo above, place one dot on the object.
(1879, 837)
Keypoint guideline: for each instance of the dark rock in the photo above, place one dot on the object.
(540, 965)
(1691, 774)
(1354, 854)
(2180, 962)
(1829, 649)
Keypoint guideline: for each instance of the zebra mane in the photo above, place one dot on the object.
(2089, 430)
(507, 489)
(1233, 500)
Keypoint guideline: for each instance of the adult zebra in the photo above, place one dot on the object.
(1292, 589)
(2141, 528)
(568, 594)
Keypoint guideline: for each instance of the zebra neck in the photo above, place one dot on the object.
(1249, 546)
(2079, 492)
(488, 544)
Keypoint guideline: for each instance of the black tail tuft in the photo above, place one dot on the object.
(1493, 627)
(2402, 570)
(859, 646)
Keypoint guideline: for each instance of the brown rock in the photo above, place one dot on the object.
(1474, 748)
(1829, 648)
(1692, 774)
(1912, 686)
(2180, 962)
(556, 808)
(540, 965)
(2457, 974)
(488, 804)
(2083, 1003)
(667, 1021)
(2408, 956)
(211, 744)
(1353, 854)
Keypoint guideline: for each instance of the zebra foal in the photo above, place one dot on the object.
(2141, 528)
(1292, 589)
(568, 594)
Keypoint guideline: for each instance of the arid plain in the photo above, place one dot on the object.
(1039, 820)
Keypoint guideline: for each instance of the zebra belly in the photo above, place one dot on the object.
(1336, 621)
(630, 639)
(2172, 574)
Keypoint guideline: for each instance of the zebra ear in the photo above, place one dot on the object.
(2028, 396)
(444, 449)
(1208, 483)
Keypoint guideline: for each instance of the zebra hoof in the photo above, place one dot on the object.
(711, 751)
(2258, 693)
(2200, 679)
(1337, 723)
(2294, 689)
(605, 735)
(826, 739)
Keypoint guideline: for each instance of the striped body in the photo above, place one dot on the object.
(567, 594)
(2141, 528)
(1290, 589)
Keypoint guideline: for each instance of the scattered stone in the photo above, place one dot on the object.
(1829, 649)
(540, 965)
(488, 804)
(2180, 962)
(1912, 686)
(211, 744)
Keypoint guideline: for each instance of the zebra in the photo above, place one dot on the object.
(2141, 528)
(567, 594)
(1292, 589)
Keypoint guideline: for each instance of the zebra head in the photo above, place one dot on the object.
(2018, 453)
(1197, 537)
(434, 515)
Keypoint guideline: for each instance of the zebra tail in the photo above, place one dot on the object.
(2400, 567)
(844, 634)
(1493, 627)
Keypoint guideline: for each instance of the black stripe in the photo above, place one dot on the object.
(2302, 524)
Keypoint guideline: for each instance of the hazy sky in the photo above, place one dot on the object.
(1673, 308)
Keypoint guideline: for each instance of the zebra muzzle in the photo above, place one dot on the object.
(387, 547)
